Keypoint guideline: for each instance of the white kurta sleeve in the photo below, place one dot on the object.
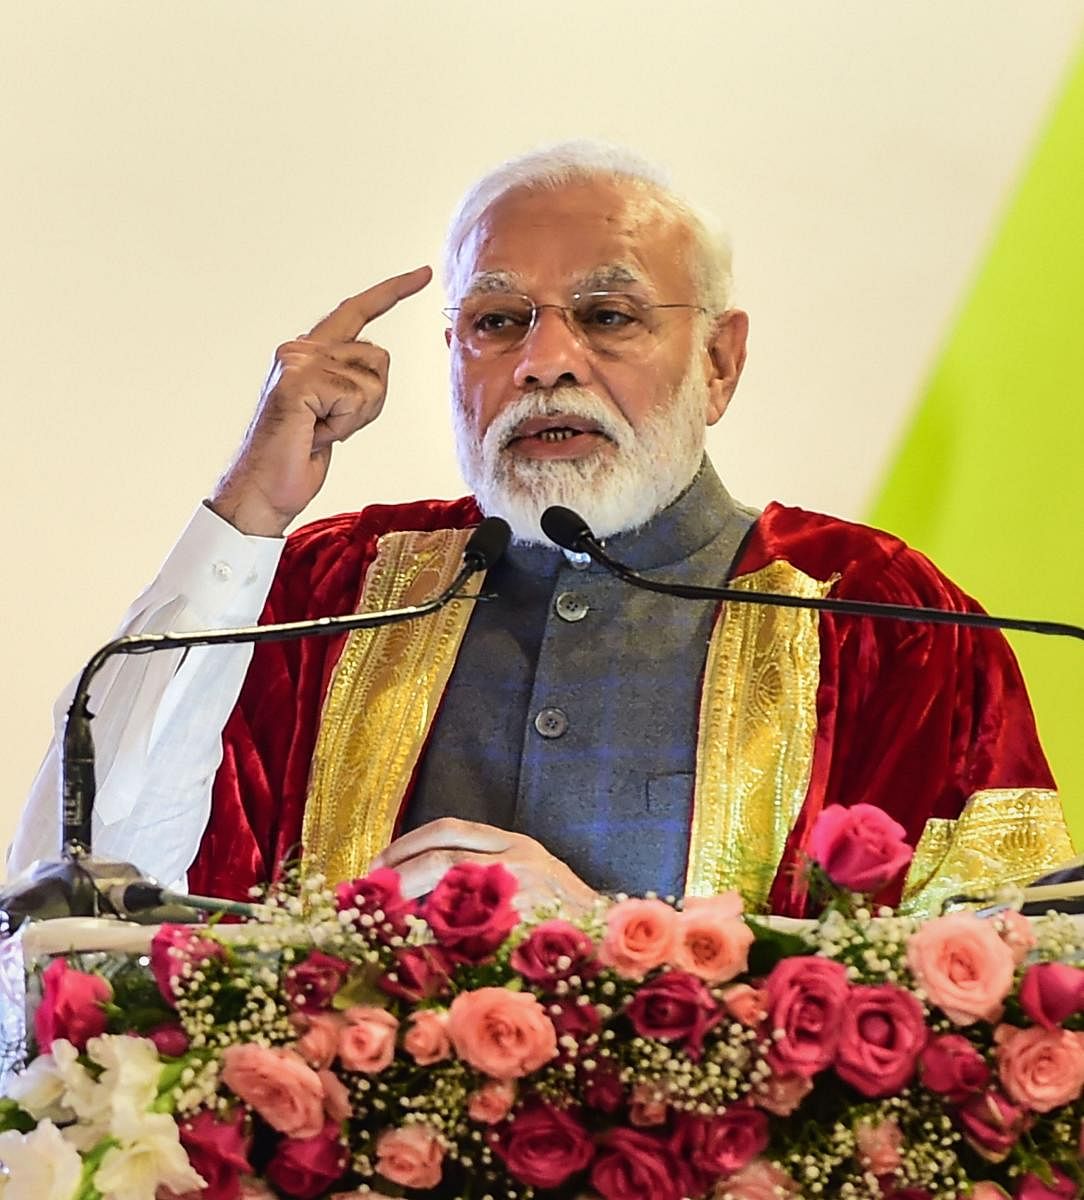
(159, 717)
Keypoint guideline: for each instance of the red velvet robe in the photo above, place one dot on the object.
(913, 718)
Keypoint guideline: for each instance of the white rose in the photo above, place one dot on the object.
(39, 1090)
(151, 1156)
(41, 1165)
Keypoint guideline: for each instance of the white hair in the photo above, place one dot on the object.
(567, 162)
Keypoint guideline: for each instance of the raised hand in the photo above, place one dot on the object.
(323, 387)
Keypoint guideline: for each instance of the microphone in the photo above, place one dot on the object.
(78, 884)
(571, 532)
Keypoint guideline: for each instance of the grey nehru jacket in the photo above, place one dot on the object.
(571, 712)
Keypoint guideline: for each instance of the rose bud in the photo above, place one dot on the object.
(860, 848)
(951, 1066)
(377, 892)
(1050, 992)
(992, 1124)
(72, 1006)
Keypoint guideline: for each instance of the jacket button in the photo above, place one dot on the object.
(571, 606)
(551, 722)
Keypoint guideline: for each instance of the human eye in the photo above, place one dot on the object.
(610, 313)
(499, 318)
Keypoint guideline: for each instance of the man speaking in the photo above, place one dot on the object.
(588, 735)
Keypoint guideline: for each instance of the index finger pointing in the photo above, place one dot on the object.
(344, 323)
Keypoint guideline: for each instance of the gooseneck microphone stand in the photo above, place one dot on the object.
(78, 883)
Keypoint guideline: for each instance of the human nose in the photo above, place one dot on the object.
(552, 354)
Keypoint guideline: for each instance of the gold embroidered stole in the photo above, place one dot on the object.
(381, 702)
(758, 722)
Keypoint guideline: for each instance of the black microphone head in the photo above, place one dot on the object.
(487, 543)
(566, 528)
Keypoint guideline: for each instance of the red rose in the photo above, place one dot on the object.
(602, 1088)
(305, 1167)
(311, 984)
(575, 1020)
(377, 892)
(71, 1006)
(1051, 992)
(1031, 1187)
(170, 1041)
(555, 950)
(952, 1067)
(882, 1035)
(675, 1007)
(470, 911)
(718, 1146)
(421, 973)
(634, 1165)
(218, 1150)
(175, 950)
(859, 848)
(992, 1124)
(805, 996)
(543, 1146)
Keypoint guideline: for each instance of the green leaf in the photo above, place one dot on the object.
(14, 1117)
(359, 988)
(771, 946)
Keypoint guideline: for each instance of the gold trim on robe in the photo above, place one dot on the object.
(1003, 836)
(381, 702)
(758, 724)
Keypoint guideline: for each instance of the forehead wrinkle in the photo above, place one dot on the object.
(606, 277)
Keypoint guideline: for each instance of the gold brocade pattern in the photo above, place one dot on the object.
(1005, 835)
(758, 722)
(381, 702)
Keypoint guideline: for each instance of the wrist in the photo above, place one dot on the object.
(248, 514)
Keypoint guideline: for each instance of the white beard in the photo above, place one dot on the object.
(618, 488)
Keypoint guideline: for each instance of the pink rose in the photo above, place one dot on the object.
(470, 911)
(503, 1034)
(963, 966)
(306, 1167)
(337, 1104)
(411, 1156)
(378, 897)
(640, 935)
(879, 1144)
(780, 1094)
(860, 848)
(312, 983)
(675, 1007)
(882, 1034)
(555, 950)
(319, 1040)
(806, 995)
(716, 1147)
(1016, 932)
(72, 1006)
(170, 1041)
(992, 1124)
(1040, 1068)
(985, 1190)
(647, 1106)
(574, 1020)
(1031, 1187)
(760, 1180)
(367, 1039)
(492, 1102)
(543, 1146)
(218, 1151)
(951, 1066)
(278, 1085)
(633, 1165)
(175, 950)
(712, 941)
(1050, 992)
(420, 973)
(426, 1040)
(747, 1005)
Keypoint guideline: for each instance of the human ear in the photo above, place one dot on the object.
(726, 350)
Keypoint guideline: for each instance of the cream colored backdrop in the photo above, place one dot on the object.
(185, 186)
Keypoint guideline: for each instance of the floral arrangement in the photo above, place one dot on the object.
(356, 1044)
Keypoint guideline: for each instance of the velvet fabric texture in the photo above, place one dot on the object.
(912, 718)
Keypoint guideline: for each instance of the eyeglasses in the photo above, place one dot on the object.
(614, 322)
